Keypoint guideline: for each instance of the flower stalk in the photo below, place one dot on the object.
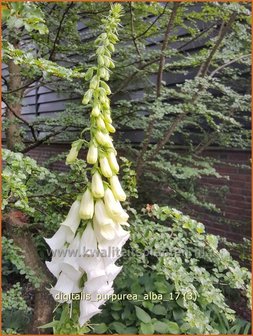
(95, 219)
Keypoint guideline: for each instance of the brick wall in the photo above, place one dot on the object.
(232, 196)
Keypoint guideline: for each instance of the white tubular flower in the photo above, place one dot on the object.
(101, 215)
(67, 230)
(88, 242)
(55, 264)
(87, 310)
(87, 205)
(64, 285)
(121, 217)
(105, 167)
(104, 232)
(117, 190)
(72, 220)
(97, 187)
(70, 265)
(92, 155)
(112, 206)
(113, 162)
(90, 260)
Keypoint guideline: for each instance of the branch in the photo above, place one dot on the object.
(197, 36)
(59, 30)
(153, 23)
(223, 31)
(41, 141)
(133, 32)
(151, 124)
(227, 64)
(202, 72)
(5, 82)
(21, 119)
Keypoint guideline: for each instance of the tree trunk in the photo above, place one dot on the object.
(17, 226)
(13, 135)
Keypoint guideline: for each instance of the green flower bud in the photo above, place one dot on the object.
(87, 97)
(95, 111)
(94, 83)
(89, 74)
(101, 60)
(110, 128)
(100, 123)
(72, 156)
(107, 117)
(106, 87)
(92, 155)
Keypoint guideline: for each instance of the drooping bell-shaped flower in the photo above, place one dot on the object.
(87, 205)
(101, 215)
(64, 286)
(117, 190)
(67, 230)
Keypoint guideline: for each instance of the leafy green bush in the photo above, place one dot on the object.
(170, 254)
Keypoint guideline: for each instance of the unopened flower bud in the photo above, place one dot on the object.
(105, 167)
(87, 97)
(101, 215)
(101, 60)
(100, 123)
(117, 190)
(87, 206)
(92, 155)
(103, 139)
(72, 155)
(95, 111)
(113, 162)
(110, 128)
(107, 117)
(97, 187)
(111, 204)
(94, 83)
(106, 87)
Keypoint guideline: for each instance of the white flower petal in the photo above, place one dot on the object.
(88, 243)
(59, 238)
(66, 285)
(87, 310)
(72, 220)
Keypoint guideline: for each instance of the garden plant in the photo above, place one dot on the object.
(169, 276)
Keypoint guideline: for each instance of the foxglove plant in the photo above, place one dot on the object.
(93, 226)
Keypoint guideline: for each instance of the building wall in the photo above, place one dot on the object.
(233, 197)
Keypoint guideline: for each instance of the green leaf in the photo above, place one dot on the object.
(142, 315)
(100, 328)
(161, 327)
(161, 287)
(173, 327)
(147, 328)
(118, 327)
(159, 310)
